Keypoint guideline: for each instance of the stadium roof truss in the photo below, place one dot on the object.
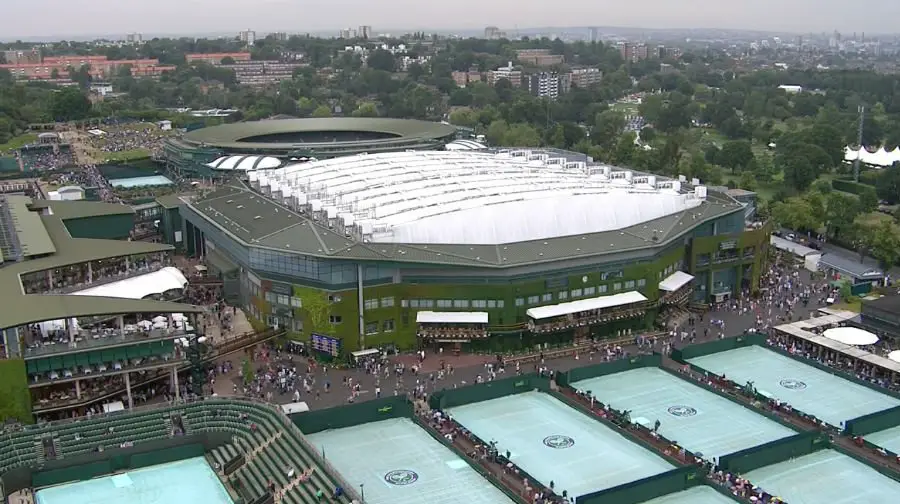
(466, 208)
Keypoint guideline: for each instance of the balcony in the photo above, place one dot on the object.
(87, 340)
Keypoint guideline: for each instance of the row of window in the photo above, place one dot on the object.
(374, 304)
(283, 300)
(385, 326)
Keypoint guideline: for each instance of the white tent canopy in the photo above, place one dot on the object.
(894, 356)
(433, 317)
(881, 157)
(583, 305)
(851, 336)
(675, 281)
(139, 287)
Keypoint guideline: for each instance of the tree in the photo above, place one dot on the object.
(796, 213)
(227, 60)
(735, 155)
(868, 199)
(69, 104)
(321, 111)
(247, 372)
(608, 125)
(882, 239)
(842, 210)
(464, 116)
(381, 59)
(747, 181)
(798, 171)
(888, 186)
(366, 109)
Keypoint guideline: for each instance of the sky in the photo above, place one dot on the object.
(57, 18)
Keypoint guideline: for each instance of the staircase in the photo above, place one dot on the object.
(39, 450)
(262, 446)
(297, 480)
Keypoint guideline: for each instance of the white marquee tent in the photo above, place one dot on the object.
(851, 336)
(881, 157)
(894, 356)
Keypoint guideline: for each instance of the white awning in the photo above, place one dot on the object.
(296, 407)
(139, 287)
(851, 336)
(894, 356)
(433, 317)
(675, 281)
(583, 305)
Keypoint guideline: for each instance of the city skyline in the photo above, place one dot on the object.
(78, 18)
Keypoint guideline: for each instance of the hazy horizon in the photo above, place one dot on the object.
(80, 18)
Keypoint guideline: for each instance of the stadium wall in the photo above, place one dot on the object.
(451, 398)
(693, 351)
(102, 227)
(873, 422)
(351, 415)
(91, 465)
(646, 489)
(608, 368)
(773, 452)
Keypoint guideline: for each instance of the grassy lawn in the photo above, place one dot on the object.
(19, 141)
(626, 108)
(124, 155)
(855, 306)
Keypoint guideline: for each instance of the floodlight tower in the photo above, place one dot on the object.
(859, 139)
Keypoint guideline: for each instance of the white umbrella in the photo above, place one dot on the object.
(159, 318)
(851, 336)
(145, 324)
(160, 325)
(178, 317)
(894, 356)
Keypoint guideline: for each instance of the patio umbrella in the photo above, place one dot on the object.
(851, 336)
(894, 356)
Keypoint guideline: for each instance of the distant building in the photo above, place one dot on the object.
(17, 57)
(493, 33)
(791, 89)
(463, 79)
(585, 77)
(280, 36)
(364, 32)
(539, 57)
(595, 34)
(134, 38)
(57, 67)
(633, 52)
(347, 33)
(216, 58)
(261, 73)
(509, 72)
(546, 84)
(248, 37)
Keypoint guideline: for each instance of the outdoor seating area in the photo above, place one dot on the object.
(275, 450)
(83, 275)
(452, 326)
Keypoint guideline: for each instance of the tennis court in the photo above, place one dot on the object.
(399, 463)
(888, 438)
(553, 442)
(695, 495)
(806, 388)
(825, 476)
(695, 418)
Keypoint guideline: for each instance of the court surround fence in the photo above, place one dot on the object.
(646, 489)
(486, 391)
(608, 368)
(722, 345)
(351, 415)
(773, 452)
(873, 422)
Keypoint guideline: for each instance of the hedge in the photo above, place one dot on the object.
(849, 186)
(15, 398)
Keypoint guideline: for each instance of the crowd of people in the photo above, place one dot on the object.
(45, 159)
(128, 138)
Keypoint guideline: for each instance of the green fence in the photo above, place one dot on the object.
(722, 345)
(608, 368)
(873, 422)
(352, 415)
(9, 164)
(773, 452)
(488, 390)
(121, 462)
(645, 489)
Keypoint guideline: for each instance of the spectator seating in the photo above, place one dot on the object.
(273, 447)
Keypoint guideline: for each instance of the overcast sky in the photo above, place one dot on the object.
(91, 17)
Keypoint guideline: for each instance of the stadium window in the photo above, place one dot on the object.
(589, 291)
(601, 289)
(284, 300)
(271, 297)
(427, 303)
(335, 319)
(371, 327)
(533, 299)
(520, 302)
(387, 302)
(479, 303)
(414, 303)
(404, 303)
(460, 303)
(370, 304)
(563, 295)
(642, 282)
(604, 275)
(491, 303)
(387, 325)
(296, 302)
(547, 298)
(334, 298)
(444, 303)
(617, 286)
(629, 284)
(500, 304)
(297, 325)
(576, 292)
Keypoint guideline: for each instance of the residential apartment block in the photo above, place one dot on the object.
(264, 72)
(585, 77)
(509, 72)
(547, 84)
(539, 57)
(216, 58)
(57, 67)
(463, 79)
